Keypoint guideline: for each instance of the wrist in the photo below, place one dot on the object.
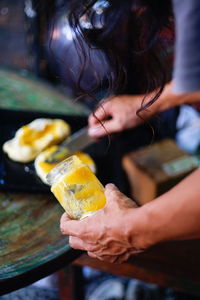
(150, 224)
(168, 99)
(140, 231)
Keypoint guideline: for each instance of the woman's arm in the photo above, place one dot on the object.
(120, 112)
(169, 99)
(176, 214)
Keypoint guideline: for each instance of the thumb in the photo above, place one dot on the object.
(112, 193)
(111, 187)
(114, 196)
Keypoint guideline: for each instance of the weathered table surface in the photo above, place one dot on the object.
(31, 245)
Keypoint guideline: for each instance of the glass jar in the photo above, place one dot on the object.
(76, 188)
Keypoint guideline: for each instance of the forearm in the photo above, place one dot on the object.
(173, 216)
(169, 99)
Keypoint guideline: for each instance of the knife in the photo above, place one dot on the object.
(76, 142)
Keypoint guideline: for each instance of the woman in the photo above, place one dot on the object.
(121, 229)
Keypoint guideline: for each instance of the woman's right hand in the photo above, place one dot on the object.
(117, 114)
(120, 112)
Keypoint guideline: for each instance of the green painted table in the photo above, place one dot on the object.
(31, 245)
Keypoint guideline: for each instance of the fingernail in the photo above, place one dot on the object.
(110, 185)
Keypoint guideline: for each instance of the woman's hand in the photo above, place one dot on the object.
(120, 112)
(108, 234)
(116, 114)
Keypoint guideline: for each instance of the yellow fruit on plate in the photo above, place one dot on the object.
(43, 168)
(77, 188)
(31, 139)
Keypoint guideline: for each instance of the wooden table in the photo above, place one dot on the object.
(172, 265)
(31, 245)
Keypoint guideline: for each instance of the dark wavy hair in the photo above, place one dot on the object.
(135, 36)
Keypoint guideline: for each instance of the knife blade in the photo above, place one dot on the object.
(76, 142)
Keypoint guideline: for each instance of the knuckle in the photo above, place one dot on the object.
(90, 248)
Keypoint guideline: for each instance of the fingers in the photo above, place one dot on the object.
(97, 131)
(76, 243)
(108, 127)
(109, 258)
(65, 217)
(100, 114)
(92, 254)
(92, 251)
(70, 227)
(79, 244)
(99, 126)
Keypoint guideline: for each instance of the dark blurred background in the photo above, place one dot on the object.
(22, 30)
(35, 37)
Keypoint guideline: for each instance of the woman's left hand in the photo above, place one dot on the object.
(108, 234)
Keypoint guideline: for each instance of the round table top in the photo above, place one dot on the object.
(23, 91)
(31, 245)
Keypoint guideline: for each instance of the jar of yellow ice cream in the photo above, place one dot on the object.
(76, 188)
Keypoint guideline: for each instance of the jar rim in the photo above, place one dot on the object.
(61, 168)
